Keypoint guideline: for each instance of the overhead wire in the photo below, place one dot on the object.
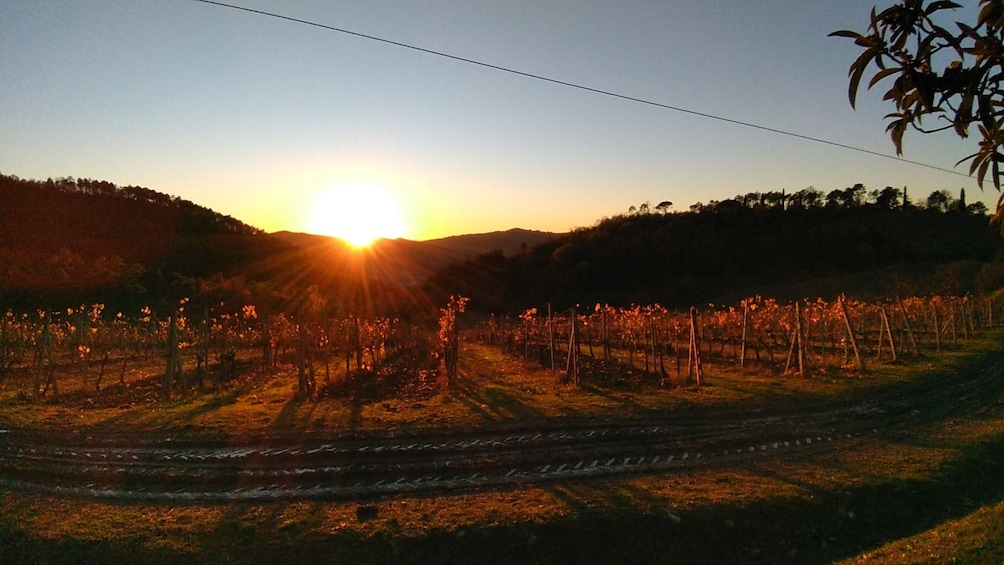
(585, 88)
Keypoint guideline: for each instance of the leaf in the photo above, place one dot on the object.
(991, 14)
(846, 33)
(857, 70)
(980, 165)
(951, 40)
(881, 75)
(961, 129)
(896, 129)
(967, 31)
(995, 79)
(941, 5)
(964, 159)
(997, 172)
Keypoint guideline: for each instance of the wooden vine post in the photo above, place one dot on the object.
(674, 340)
(6, 360)
(850, 332)
(798, 337)
(526, 337)
(796, 345)
(606, 332)
(801, 341)
(954, 323)
(45, 362)
(202, 365)
(937, 327)
(174, 370)
(550, 340)
(887, 330)
(791, 348)
(967, 305)
(572, 363)
(82, 328)
(742, 346)
(355, 344)
(822, 337)
(266, 344)
(906, 324)
(652, 336)
(328, 351)
(306, 380)
(694, 365)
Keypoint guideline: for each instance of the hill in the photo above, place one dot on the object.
(66, 240)
(461, 247)
(418, 260)
(69, 241)
(757, 244)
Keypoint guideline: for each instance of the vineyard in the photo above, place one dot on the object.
(42, 353)
(801, 337)
(88, 347)
(248, 433)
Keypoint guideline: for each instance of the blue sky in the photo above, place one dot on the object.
(260, 118)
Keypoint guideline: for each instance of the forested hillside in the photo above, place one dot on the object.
(68, 241)
(807, 243)
(72, 239)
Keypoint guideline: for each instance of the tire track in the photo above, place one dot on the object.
(275, 468)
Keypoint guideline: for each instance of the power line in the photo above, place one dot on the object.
(584, 87)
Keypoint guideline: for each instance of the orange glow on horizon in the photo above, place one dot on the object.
(358, 212)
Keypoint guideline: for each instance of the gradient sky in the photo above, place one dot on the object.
(257, 117)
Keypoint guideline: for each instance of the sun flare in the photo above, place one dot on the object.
(358, 212)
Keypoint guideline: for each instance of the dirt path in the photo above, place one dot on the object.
(281, 467)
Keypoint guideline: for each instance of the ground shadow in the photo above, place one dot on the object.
(491, 403)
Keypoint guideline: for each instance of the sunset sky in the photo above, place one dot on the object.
(268, 120)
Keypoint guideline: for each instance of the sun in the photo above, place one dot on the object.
(358, 212)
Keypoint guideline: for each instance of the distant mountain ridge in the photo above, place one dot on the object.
(418, 260)
(510, 242)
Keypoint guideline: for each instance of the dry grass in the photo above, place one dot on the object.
(877, 500)
(494, 390)
(923, 495)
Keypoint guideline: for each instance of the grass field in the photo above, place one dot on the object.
(495, 390)
(927, 493)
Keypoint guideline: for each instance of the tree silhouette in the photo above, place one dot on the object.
(940, 200)
(932, 72)
(847, 198)
(888, 197)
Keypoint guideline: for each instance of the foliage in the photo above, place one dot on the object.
(933, 71)
(68, 242)
(449, 339)
(866, 243)
(928, 490)
(760, 332)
